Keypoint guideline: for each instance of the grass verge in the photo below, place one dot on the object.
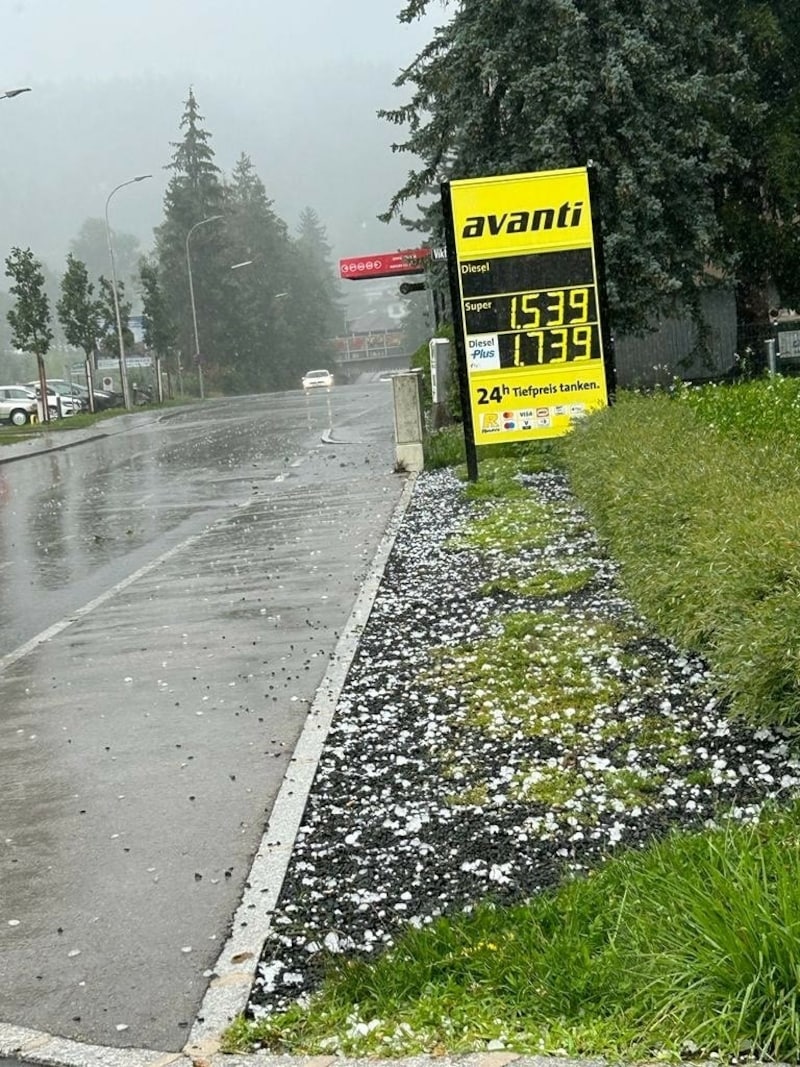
(691, 947)
(14, 434)
(698, 498)
(688, 949)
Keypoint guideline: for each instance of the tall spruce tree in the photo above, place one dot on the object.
(653, 91)
(194, 193)
(319, 304)
(263, 353)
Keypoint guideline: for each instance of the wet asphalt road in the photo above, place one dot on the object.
(169, 597)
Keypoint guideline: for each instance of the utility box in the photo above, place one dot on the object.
(439, 348)
(789, 349)
(407, 397)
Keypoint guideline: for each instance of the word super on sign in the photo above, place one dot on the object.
(527, 284)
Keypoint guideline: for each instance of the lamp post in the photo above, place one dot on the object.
(202, 222)
(123, 372)
(7, 95)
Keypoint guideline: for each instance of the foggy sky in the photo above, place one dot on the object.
(294, 84)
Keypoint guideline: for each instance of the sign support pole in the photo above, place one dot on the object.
(461, 347)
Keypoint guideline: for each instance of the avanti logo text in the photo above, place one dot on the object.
(567, 216)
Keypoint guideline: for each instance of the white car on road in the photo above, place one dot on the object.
(317, 379)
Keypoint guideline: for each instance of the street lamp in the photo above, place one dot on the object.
(123, 372)
(7, 95)
(202, 222)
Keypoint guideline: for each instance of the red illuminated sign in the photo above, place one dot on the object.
(385, 264)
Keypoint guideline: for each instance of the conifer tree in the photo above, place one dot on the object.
(320, 302)
(258, 238)
(760, 207)
(194, 193)
(653, 91)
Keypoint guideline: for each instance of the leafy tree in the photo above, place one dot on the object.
(30, 317)
(79, 312)
(653, 91)
(91, 248)
(159, 327)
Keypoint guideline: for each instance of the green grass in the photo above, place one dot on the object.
(517, 524)
(691, 948)
(445, 448)
(513, 518)
(14, 434)
(537, 669)
(542, 584)
(758, 411)
(698, 498)
(559, 677)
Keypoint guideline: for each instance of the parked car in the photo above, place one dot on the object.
(62, 404)
(102, 398)
(317, 379)
(17, 404)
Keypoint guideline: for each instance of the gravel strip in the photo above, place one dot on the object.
(423, 806)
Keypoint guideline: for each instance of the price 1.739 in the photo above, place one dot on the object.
(558, 344)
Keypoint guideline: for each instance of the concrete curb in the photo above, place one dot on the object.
(39, 1048)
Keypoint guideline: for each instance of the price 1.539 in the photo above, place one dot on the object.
(549, 308)
(560, 344)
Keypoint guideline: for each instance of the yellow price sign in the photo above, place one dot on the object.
(527, 293)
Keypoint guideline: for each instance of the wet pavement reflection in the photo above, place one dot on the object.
(170, 596)
(71, 520)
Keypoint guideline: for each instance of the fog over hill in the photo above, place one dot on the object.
(295, 87)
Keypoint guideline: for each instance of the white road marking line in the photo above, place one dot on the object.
(236, 966)
(64, 624)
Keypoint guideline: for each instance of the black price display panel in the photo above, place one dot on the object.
(556, 323)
